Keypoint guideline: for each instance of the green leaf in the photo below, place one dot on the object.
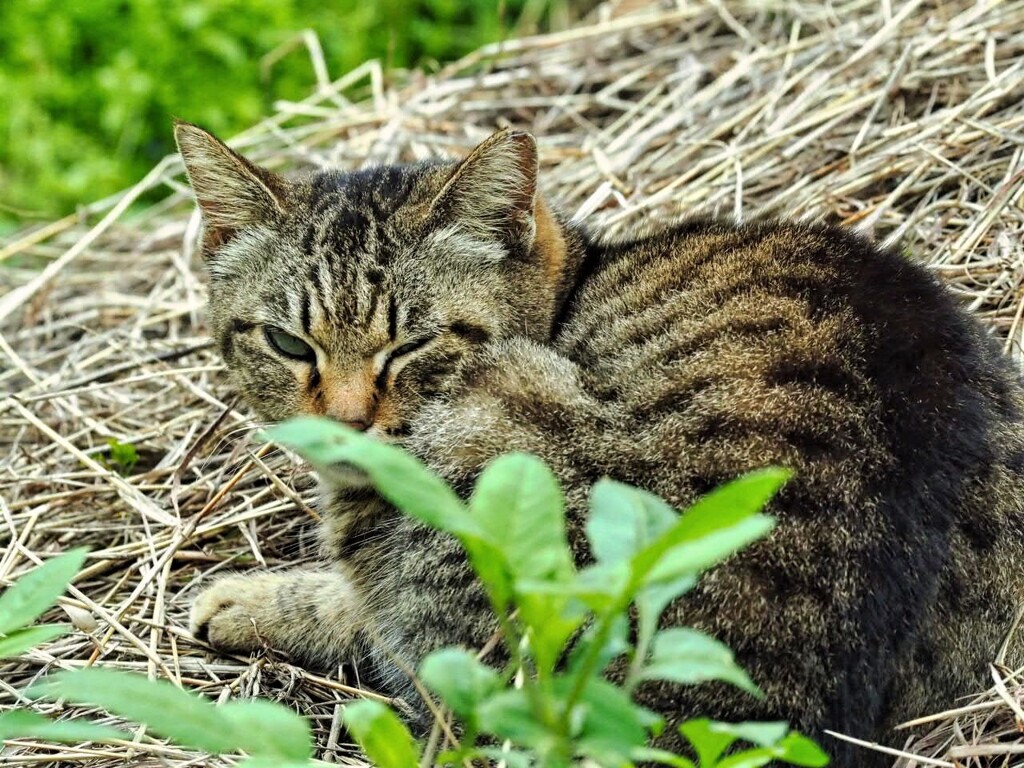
(624, 520)
(273, 762)
(653, 599)
(123, 456)
(382, 736)
(174, 714)
(708, 742)
(719, 520)
(602, 586)
(508, 715)
(21, 723)
(710, 739)
(550, 621)
(750, 758)
(554, 611)
(616, 644)
(684, 655)
(167, 710)
(321, 442)
(732, 502)
(709, 550)
(28, 598)
(793, 749)
(460, 679)
(610, 724)
(797, 749)
(489, 565)
(21, 640)
(398, 477)
(647, 756)
(765, 734)
(598, 586)
(270, 729)
(518, 505)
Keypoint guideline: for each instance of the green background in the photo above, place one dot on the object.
(89, 86)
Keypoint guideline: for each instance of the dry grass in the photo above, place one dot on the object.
(904, 119)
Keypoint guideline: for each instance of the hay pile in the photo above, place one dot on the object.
(903, 119)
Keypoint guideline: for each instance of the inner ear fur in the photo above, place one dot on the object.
(493, 192)
(232, 192)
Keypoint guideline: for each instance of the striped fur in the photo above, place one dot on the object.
(674, 361)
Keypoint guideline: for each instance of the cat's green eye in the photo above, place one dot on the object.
(409, 346)
(288, 345)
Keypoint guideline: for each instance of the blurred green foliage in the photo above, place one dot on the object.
(89, 86)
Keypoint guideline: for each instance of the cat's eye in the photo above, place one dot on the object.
(288, 345)
(408, 347)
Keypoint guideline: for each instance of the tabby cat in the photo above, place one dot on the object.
(445, 307)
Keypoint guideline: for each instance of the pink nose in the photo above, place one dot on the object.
(351, 399)
(358, 416)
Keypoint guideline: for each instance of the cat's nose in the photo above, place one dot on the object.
(356, 416)
(349, 399)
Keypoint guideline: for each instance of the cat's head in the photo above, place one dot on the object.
(357, 295)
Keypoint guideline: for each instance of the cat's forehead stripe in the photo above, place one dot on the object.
(323, 283)
(278, 300)
(392, 318)
(349, 233)
(298, 299)
(371, 311)
(313, 275)
(306, 318)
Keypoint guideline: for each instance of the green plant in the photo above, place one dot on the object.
(552, 704)
(121, 457)
(269, 733)
(562, 627)
(90, 87)
(21, 605)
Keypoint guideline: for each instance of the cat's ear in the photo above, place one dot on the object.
(232, 192)
(493, 191)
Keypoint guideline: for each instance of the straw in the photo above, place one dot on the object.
(904, 120)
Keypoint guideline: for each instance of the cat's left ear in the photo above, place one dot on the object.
(493, 191)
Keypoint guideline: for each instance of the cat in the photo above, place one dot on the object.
(445, 307)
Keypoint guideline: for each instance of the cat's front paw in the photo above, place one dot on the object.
(227, 614)
(309, 614)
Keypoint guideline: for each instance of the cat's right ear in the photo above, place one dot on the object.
(493, 192)
(232, 192)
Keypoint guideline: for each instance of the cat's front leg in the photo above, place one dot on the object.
(312, 614)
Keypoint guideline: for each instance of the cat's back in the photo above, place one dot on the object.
(798, 328)
(728, 348)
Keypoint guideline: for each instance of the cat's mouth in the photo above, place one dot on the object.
(378, 430)
(379, 433)
(344, 475)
